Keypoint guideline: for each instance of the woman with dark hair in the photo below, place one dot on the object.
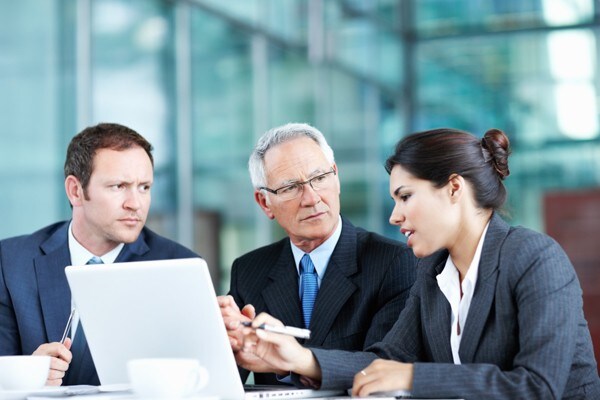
(496, 311)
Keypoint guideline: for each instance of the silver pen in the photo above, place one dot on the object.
(285, 330)
(68, 327)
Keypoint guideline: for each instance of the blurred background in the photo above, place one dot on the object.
(203, 79)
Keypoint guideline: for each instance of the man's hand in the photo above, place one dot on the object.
(233, 317)
(383, 376)
(281, 353)
(59, 362)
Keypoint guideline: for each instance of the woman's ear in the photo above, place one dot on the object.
(456, 185)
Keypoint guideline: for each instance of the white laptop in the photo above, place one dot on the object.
(163, 308)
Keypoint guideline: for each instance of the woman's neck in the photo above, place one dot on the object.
(467, 238)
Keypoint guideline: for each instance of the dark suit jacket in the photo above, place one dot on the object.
(525, 335)
(364, 288)
(35, 299)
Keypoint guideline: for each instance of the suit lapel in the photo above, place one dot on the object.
(281, 293)
(53, 288)
(436, 310)
(336, 286)
(485, 289)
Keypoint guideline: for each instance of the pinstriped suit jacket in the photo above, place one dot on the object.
(35, 299)
(364, 288)
(525, 335)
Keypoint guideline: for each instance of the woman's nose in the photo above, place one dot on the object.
(396, 217)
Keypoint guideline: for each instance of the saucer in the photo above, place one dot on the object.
(46, 391)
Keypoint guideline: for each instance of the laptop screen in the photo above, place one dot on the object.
(163, 308)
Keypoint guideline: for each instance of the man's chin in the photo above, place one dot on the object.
(128, 237)
(319, 232)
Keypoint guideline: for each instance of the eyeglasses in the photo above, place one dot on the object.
(294, 190)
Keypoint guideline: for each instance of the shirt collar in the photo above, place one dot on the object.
(472, 273)
(80, 255)
(448, 280)
(321, 255)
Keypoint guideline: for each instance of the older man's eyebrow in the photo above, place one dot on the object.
(316, 172)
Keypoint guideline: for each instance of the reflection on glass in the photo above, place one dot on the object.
(577, 110)
(572, 62)
(565, 12)
(438, 18)
(357, 39)
(131, 82)
(572, 54)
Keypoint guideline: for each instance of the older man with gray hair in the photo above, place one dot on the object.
(346, 285)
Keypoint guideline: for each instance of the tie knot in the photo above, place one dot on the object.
(95, 260)
(306, 265)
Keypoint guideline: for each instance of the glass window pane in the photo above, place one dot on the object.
(34, 97)
(450, 17)
(539, 87)
(291, 87)
(223, 132)
(133, 84)
(358, 41)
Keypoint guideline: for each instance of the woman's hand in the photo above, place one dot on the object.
(383, 376)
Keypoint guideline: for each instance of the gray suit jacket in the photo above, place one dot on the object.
(35, 299)
(525, 335)
(363, 291)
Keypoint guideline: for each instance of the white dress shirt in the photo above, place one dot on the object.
(319, 256)
(80, 256)
(449, 283)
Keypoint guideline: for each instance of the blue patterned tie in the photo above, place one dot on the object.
(80, 350)
(310, 287)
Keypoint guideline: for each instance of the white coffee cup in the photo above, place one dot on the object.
(166, 377)
(23, 372)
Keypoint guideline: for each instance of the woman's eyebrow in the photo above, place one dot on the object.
(398, 190)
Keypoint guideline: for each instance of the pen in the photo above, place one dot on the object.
(286, 330)
(68, 327)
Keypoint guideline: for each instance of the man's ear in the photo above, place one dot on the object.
(337, 176)
(456, 187)
(261, 199)
(74, 190)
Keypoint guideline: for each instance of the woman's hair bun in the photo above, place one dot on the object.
(496, 149)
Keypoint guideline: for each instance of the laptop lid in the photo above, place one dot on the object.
(162, 308)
